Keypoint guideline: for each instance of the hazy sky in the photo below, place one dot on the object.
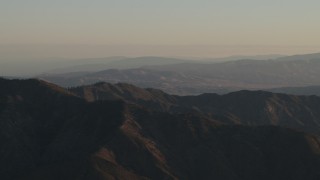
(163, 23)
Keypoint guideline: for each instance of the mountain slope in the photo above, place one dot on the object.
(50, 133)
(242, 107)
(46, 129)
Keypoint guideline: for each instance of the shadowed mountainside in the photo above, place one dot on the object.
(45, 129)
(242, 107)
(50, 133)
(308, 90)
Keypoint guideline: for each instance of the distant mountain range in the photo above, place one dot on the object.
(29, 68)
(196, 78)
(99, 64)
(120, 131)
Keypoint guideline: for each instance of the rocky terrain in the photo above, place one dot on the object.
(242, 107)
(106, 131)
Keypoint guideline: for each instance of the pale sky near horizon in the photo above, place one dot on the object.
(224, 23)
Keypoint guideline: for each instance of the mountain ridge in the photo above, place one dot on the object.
(270, 108)
(50, 134)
